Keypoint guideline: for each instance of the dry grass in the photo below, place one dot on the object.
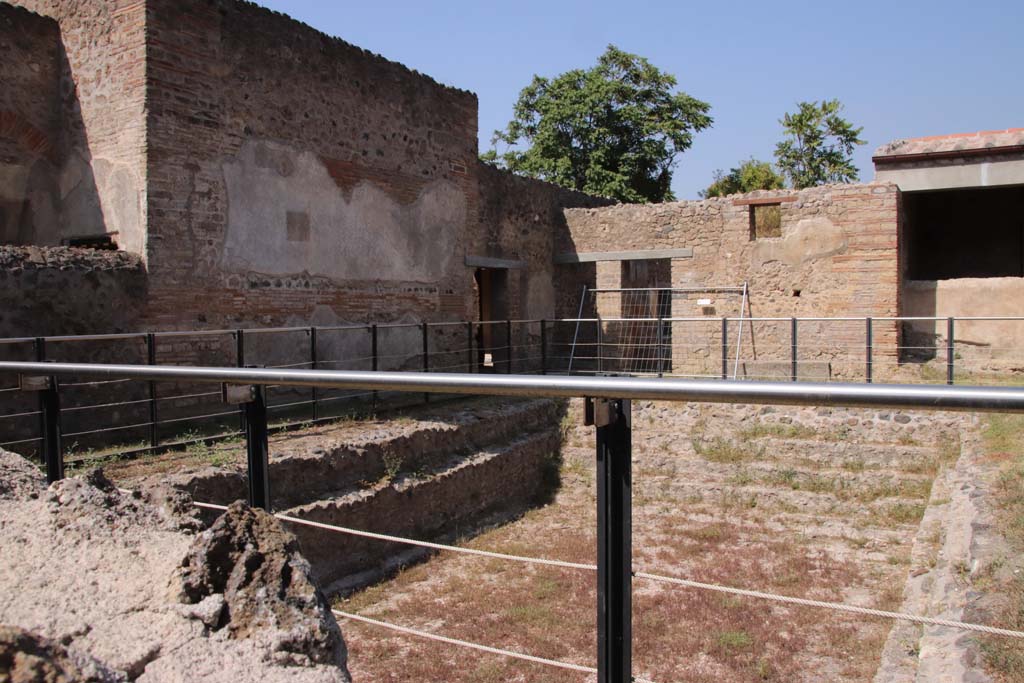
(744, 528)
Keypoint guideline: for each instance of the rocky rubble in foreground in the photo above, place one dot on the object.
(98, 585)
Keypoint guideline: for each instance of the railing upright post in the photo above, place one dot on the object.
(469, 346)
(725, 348)
(868, 350)
(508, 338)
(154, 438)
(950, 352)
(544, 346)
(426, 356)
(793, 349)
(40, 349)
(614, 539)
(53, 450)
(661, 350)
(313, 363)
(240, 362)
(600, 346)
(373, 353)
(257, 449)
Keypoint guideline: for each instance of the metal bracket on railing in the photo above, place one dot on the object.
(35, 382)
(601, 412)
(237, 394)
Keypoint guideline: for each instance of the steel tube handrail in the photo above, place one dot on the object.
(961, 398)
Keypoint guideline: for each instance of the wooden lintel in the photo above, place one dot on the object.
(490, 262)
(761, 201)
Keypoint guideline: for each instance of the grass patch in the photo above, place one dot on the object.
(733, 641)
(778, 430)
(722, 450)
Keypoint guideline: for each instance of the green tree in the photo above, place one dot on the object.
(819, 145)
(614, 130)
(751, 175)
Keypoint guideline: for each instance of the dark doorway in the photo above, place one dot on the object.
(964, 233)
(493, 344)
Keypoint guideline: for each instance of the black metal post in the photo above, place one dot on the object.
(313, 364)
(661, 351)
(257, 449)
(508, 337)
(793, 349)
(950, 351)
(240, 362)
(614, 542)
(40, 348)
(600, 346)
(543, 346)
(469, 346)
(53, 451)
(725, 348)
(426, 356)
(868, 349)
(373, 352)
(154, 439)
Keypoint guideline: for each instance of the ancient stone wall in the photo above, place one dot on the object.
(836, 256)
(102, 184)
(29, 126)
(47, 291)
(297, 179)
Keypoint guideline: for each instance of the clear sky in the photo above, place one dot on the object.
(902, 68)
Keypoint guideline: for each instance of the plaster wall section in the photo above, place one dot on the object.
(296, 179)
(101, 181)
(977, 341)
(836, 256)
(29, 126)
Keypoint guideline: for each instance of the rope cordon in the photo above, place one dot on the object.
(805, 602)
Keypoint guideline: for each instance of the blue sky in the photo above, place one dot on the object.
(902, 68)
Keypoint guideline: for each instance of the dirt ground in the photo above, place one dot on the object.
(825, 508)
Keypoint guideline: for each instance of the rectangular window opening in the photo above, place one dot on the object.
(765, 221)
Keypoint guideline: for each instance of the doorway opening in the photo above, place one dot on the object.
(494, 347)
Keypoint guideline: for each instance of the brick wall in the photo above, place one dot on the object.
(29, 126)
(296, 179)
(837, 256)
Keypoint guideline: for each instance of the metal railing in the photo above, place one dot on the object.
(608, 409)
(171, 414)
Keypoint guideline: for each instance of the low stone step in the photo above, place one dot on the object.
(305, 466)
(438, 505)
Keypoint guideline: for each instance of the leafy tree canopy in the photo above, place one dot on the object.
(818, 145)
(614, 130)
(751, 175)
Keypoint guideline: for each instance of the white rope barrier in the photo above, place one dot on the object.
(422, 544)
(464, 643)
(835, 606)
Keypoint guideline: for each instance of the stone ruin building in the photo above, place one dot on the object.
(231, 167)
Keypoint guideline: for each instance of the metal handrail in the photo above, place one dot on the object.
(959, 398)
